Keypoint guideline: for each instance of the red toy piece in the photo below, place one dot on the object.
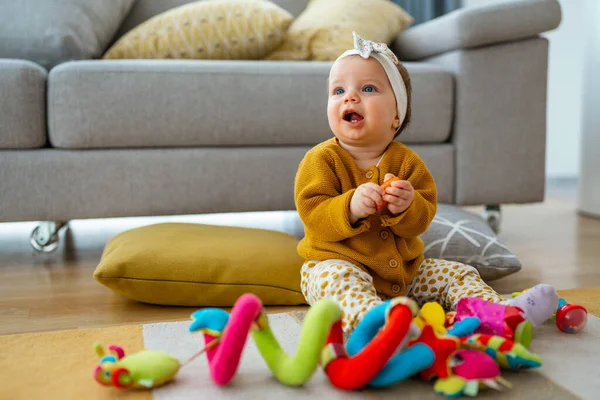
(442, 347)
(351, 373)
(570, 318)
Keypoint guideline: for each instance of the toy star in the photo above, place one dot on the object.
(442, 348)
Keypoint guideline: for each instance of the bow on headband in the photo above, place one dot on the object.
(389, 61)
(366, 47)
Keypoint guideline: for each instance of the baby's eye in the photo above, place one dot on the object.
(338, 91)
(369, 89)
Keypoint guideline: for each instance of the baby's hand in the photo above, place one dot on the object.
(399, 195)
(364, 201)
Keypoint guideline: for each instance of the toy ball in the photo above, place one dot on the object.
(571, 318)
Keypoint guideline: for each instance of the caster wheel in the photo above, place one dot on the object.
(45, 237)
(493, 217)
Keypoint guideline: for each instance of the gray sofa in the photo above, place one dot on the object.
(95, 139)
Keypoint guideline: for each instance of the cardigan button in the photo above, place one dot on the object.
(369, 174)
(384, 234)
(395, 288)
(393, 263)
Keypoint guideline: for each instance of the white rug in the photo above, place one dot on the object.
(569, 368)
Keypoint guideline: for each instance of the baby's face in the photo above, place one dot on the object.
(362, 107)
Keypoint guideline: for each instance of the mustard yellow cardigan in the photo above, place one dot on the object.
(386, 246)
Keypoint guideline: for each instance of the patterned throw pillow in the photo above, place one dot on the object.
(210, 29)
(324, 29)
(459, 235)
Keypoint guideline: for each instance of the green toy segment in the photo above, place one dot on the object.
(297, 369)
(524, 334)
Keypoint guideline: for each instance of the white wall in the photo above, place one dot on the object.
(589, 178)
(565, 72)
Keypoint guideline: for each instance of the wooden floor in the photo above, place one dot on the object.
(57, 291)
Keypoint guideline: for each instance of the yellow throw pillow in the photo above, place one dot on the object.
(324, 29)
(208, 29)
(201, 265)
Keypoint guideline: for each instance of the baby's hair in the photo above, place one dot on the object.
(406, 78)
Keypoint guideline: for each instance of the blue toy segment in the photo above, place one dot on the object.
(465, 327)
(491, 352)
(367, 328)
(212, 320)
(404, 365)
(108, 359)
(515, 362)
(561, 302)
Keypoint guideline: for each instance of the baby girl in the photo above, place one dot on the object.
(361, 243)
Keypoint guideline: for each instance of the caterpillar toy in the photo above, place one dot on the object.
(393, 342)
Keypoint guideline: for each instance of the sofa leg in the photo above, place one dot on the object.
(493, 216)
(45, 237)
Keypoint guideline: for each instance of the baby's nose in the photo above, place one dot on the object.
(351, 97)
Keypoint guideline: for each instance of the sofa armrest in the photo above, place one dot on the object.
(499, 124)
(478, 26)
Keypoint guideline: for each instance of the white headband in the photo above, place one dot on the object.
(388, 60)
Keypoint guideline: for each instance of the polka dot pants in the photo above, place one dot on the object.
(437, 280)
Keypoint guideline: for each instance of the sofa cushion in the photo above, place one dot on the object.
(22, 104)
(182, 181)
(175, 103)
(146, 9)
(211, 29)
(49, 32)
(324, 29)
(202, 265)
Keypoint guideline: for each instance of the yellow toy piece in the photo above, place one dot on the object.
(433, 314)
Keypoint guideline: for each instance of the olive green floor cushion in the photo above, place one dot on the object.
(199, 265)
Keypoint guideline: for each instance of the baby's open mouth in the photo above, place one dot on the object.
(352, 116)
